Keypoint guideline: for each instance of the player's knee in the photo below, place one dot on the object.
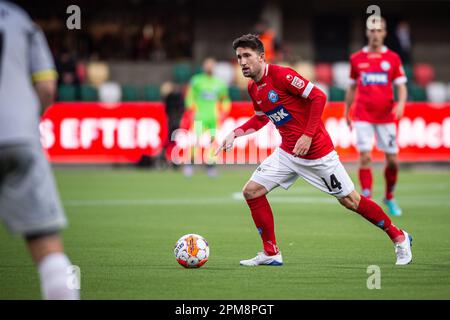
(249, 193)
(365, 159)
(252, 191)
(391, 161)
(349, 202)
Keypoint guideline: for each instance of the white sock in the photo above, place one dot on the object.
(54, 271)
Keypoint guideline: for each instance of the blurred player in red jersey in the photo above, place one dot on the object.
(295, 106)
(373, 71)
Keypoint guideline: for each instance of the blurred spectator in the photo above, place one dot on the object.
(271, 41)
(145, 42)
(400, 41)
(159, 52)
(173, 99)
(97, 72)
(67, 69)
(208, 102)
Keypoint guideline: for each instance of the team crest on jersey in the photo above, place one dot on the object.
(298, 83)
(279, 115)
(374, 78)
(385, 65)
(273, 96)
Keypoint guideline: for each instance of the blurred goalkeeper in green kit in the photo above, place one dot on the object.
(208, 101)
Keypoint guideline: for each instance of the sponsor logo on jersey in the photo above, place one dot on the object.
(259, 101)
(374, 78)
(298, 83)
(209, 95)
(273, 96)
(261, 86)
(279, 115)
(289, 77)
(385, 65)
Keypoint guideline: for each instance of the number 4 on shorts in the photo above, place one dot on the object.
(334, 182)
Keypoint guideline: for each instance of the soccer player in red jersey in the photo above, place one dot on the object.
(374, 70)
(295, 106)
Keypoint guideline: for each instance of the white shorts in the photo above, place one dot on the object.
(386, 134)
(283, 169)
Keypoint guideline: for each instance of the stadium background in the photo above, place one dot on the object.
(147, 51)
(124, 222)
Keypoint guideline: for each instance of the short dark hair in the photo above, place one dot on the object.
(249, 41)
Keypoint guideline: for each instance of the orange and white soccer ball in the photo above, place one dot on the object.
(191, 251)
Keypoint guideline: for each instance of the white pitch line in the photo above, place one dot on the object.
(145, 202)
(236, 198)
(177, 202)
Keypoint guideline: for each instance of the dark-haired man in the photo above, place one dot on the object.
(295, 107)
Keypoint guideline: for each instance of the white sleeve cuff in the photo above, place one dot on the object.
(400, 80)
(307, 90)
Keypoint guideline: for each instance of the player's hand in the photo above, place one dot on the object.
(399, 110)
(302, 146)
(227, 143)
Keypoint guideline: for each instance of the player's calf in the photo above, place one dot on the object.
(373, 213)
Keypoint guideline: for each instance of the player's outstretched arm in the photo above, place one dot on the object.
(252, 125)
(227, 143)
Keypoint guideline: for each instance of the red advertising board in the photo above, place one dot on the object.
(109, 133)
(103, 133)
(423, 133)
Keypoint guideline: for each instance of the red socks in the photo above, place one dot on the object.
(390, 174)
(366, 180)
(373, 213)
(263, 218)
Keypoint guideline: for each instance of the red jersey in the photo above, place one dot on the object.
(374, 73)
(294, 105)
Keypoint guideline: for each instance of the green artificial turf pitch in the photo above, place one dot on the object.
(124, 224)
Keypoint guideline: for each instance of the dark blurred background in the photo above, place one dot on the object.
(142, 45)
